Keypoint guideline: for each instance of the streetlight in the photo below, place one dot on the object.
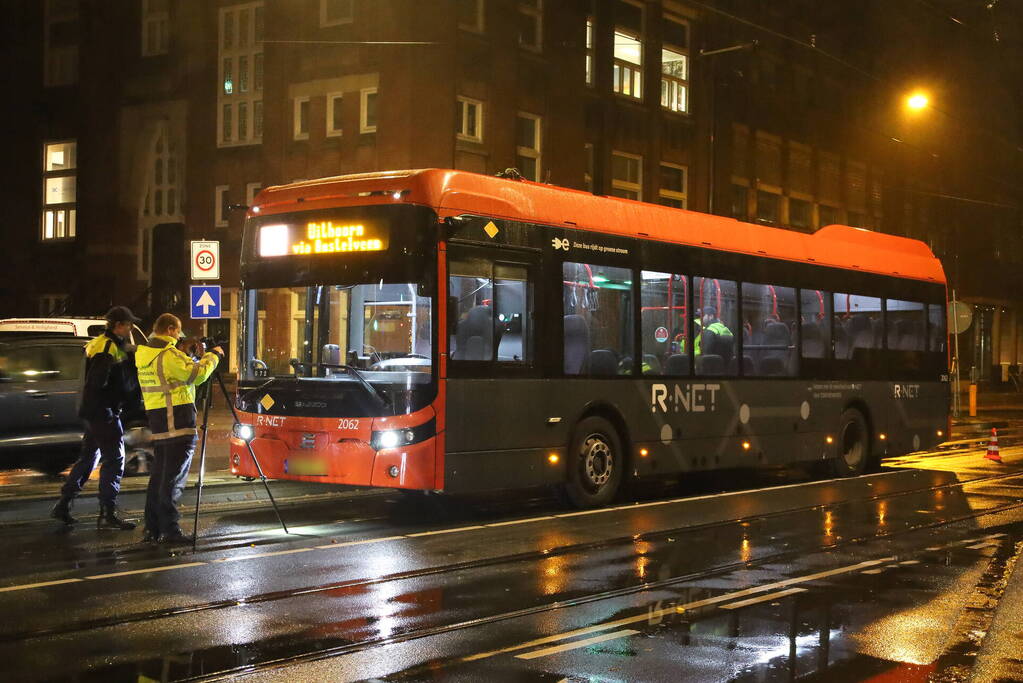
(918, 101)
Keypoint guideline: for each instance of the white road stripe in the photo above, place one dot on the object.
(519, 521)
(909, 563)
(41, 584)
(362, 542)
(763, 598)
(145, 571)
(236, 558)
(654, 614)
(875, 571)
(444, 531)
(980, 546)
(576, 644)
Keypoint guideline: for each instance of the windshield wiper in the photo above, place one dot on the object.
(264, 385)
(355, 372)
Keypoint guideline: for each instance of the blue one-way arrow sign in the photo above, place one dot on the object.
(205, 301)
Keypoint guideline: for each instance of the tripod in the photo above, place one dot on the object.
(202, 454)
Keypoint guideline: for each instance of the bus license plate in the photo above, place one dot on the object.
(305, 467)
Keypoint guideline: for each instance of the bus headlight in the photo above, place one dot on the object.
(244, 432)
(396, 438)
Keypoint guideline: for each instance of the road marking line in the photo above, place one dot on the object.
(654, 614)
(362, 542)
(519, 521)
(236, 558)
(576, 644)
(763, 598)
(445, 531)
(980, 546)
(582, 512)
(908, 563)
(875, 571)
(41, 584)
(145, 571)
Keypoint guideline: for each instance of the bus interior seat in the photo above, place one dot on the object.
(813, 341)
(861, 333)
(677, 365)
(475, 334)
(841, 339)
(577, 344)
(749, 368)
(654, 365)
(775, 361)
(710, 364)
(878, 328)
(603, 362)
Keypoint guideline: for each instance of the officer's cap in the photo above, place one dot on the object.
(121, 314)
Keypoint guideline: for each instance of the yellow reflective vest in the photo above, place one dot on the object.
(168, 379)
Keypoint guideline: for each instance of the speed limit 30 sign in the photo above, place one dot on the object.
(205, 260)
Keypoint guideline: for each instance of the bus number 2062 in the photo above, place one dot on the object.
(345, 423)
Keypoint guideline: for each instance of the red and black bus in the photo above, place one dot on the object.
(446, 331)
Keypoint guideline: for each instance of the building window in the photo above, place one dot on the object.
(588, 173)
(589, 51)
(829, 215)
(60, 42)
(627, 176)
(240, 87)
(628, 50)
(675, 66)
(470, 15)
(739, 200)
(368, 110)
(162, 201)
(768, 208)
(527, 145)
(531, 24)
(469, 122)
(335, 110)
(251, 190)
(800, 213)
(673, 186)
(155, 27)
(300, 121)
(220, 209)
(335, 12)
(53, 304)
(60, 208)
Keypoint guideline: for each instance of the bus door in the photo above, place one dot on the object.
(492, 310)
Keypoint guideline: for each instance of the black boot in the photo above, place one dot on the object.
(150, 536)
(175, 538)
(108, 518)
(62, 511)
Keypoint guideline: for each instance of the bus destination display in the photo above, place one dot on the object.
(320, 237)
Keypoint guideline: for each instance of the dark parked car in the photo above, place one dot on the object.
(39, 384)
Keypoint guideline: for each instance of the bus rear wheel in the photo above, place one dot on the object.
(853, 444)
(595, 463)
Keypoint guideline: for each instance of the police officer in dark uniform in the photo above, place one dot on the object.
(110, 390)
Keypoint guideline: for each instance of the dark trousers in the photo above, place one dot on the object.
(103, 439)
(171, 460)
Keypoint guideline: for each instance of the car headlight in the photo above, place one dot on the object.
(244, 432)
(396, 438)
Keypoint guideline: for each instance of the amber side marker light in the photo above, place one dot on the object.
(882, 436)
(829, 439)
(553, 458)
(643, 452)
(745, 445)
(941, 433)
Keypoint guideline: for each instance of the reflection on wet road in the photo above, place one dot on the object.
(852, 577)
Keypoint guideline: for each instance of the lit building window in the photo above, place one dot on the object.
(240, 86)
(674, 180)
(469, 120)
(627, 67)
(60, 42)
(335, 112)
(335, 12)
(470, 15)
(589, 51)
(675, 65)
(368, 110)
(301, 118)
(627, 175)
(60, 191)
(531, 24)
(527, 145)
(155, 27)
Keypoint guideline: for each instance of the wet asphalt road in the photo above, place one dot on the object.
(778, 577)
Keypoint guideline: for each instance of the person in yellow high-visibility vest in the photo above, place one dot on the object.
(168, 378)
(710, 322)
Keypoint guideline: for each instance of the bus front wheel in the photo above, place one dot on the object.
(596, 463)
(853, 444)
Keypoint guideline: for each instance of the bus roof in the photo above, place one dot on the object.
(460, 192)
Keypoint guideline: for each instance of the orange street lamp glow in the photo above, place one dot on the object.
(918, 101)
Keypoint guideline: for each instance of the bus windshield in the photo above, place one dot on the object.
(381, 331)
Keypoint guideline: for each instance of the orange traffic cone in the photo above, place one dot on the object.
(992, 447)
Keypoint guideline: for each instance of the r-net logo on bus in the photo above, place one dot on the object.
(689, 398)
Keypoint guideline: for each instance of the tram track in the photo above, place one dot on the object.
(578, 548)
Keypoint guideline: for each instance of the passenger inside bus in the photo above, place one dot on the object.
(597, 307)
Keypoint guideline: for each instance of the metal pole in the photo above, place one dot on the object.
(956, 407)
(202, 462)
(252, 454)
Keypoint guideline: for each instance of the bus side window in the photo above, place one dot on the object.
(665, 324)
(490, 312)
(906, 325)
(769, 330)
(936, 326)
(715, 330)
(857, 324)
(815, 308)
(598, 312)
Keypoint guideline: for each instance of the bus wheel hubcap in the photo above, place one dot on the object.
(852, 444)
(597, 460)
